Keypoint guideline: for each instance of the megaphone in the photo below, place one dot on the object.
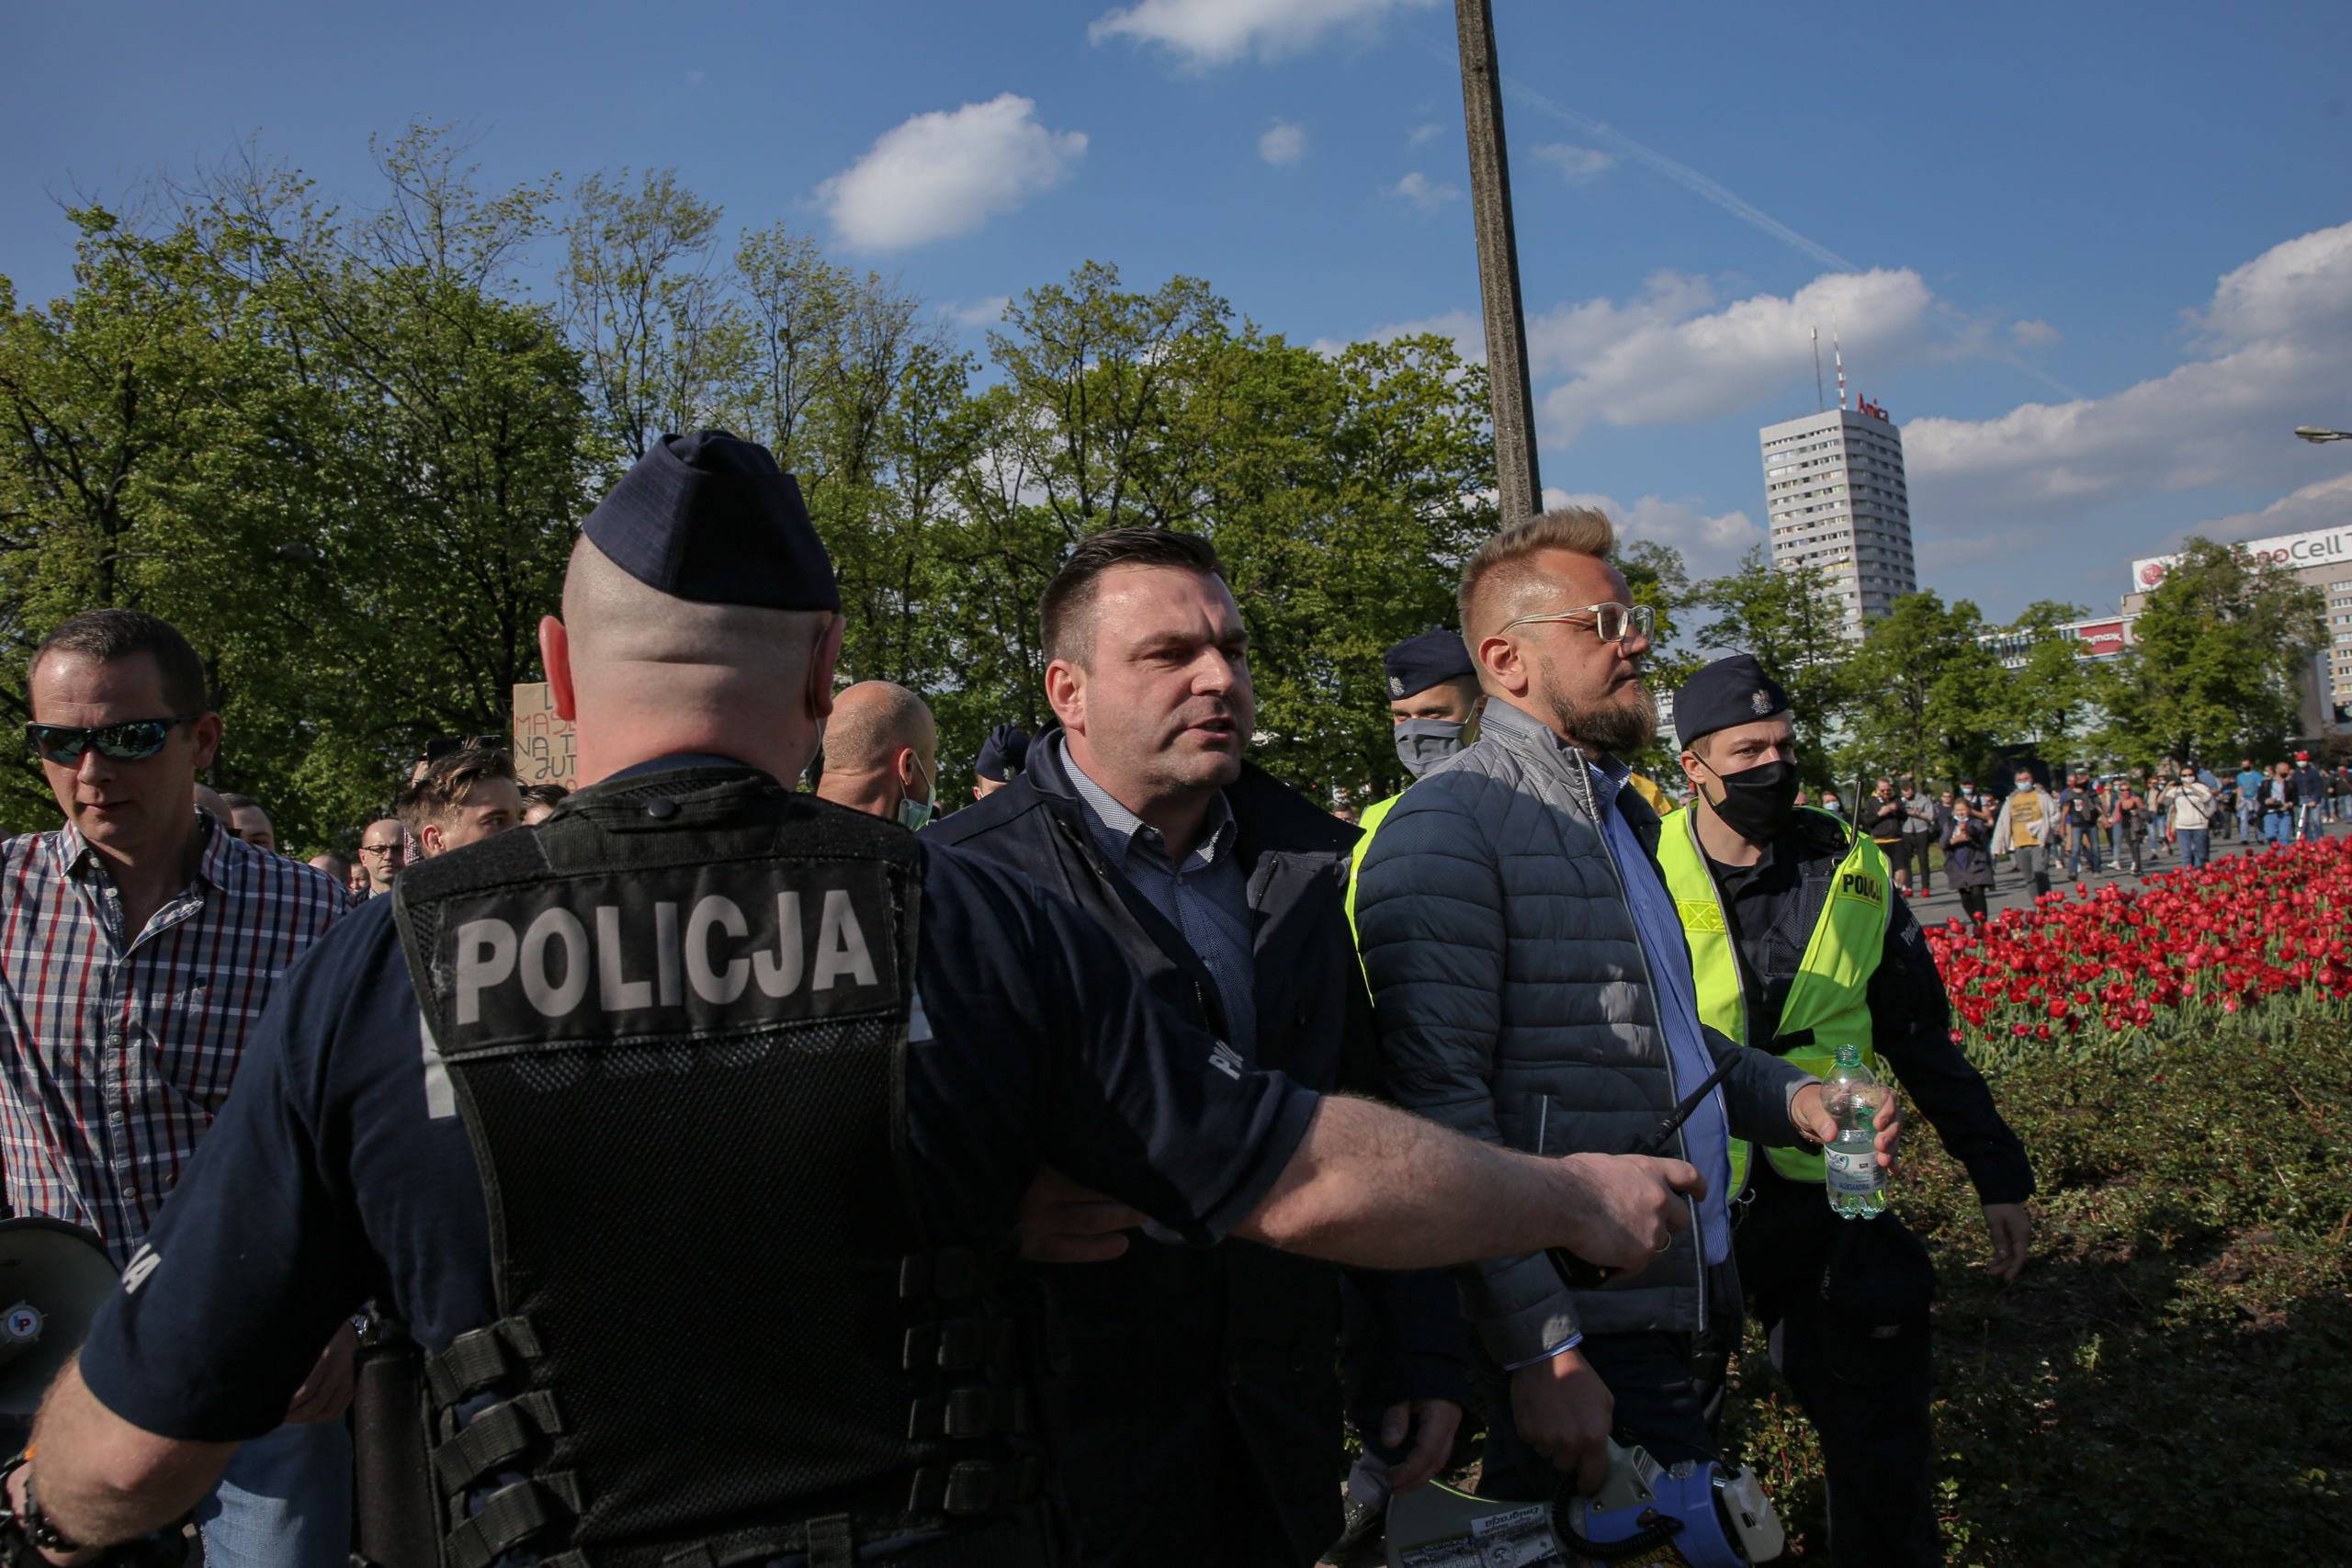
(1696, 1514)
(53, 1278)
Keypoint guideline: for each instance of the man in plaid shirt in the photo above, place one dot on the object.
(138, 945)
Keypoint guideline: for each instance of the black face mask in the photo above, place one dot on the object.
(1757, 802)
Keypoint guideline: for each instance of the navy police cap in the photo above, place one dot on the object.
(1732, 690)
(711, 518)
(1422, 660)
(1004, 753)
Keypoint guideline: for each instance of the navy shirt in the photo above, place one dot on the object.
(340, 1170)
(1206, 898)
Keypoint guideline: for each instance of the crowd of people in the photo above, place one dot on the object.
(1135, 997)
(2093, 825)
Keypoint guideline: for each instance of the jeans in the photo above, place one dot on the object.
(2314, 828)
(284, 1501)
(2278, 827)
(2085, 848)
(2196, 845)
(2032, 862)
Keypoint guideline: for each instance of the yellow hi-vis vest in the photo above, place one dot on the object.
(1369, 823)
(1830, 995)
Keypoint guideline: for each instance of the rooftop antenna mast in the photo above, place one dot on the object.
(1837, 350)
(1820, 400)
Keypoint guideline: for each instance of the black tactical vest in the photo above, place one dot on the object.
(675, 1018)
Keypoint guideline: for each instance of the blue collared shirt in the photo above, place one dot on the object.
(1706, 1137)
(1206, 898)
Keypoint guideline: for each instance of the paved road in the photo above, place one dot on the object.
(2011, 891)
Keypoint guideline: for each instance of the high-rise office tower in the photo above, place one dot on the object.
(1833, 489)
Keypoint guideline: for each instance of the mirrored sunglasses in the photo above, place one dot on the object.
(130, 741)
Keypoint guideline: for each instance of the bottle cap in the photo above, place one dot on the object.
(1849, 1055)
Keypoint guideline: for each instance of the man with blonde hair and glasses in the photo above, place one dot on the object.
(1533, 988)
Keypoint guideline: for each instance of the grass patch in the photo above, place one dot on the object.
(2171, 1379)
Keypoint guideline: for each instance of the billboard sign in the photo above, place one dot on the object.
(2100, 640)
(2322, 546)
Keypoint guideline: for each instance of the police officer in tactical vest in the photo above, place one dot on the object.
(1801, 943)
(686, 1133)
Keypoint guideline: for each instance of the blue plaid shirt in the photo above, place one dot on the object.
(117, 1047)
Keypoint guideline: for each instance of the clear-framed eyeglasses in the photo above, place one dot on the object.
(1610, 622)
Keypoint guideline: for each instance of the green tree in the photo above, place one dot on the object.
(1656, 576)
(666, 346)
(2221, 656)
(446, 452)
(1931, 691)
(131, 421)
(1342, 494)
(1791, 620)
(1342, 491)
(2051, 698)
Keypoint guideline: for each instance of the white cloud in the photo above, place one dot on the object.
(1675, 351)
(946, 173)
(2327, 504)
(1427, 131)
(977, 314)
(1423, 192)
(1710, 543)
(1666, 357)
(1203, 33)
(1283, 143)
(1576, 165)
(2033, 333)
(2268, 348)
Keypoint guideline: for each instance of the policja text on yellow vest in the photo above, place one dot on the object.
(1830, 998)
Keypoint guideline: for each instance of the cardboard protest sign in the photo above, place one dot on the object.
(543, 749)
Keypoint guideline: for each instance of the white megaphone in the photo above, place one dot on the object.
(53, 1278)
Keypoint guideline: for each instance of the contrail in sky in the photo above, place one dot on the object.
(1715, 193)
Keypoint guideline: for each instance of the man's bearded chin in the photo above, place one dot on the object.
(1616, 728)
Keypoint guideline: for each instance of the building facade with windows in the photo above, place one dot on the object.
(1834, 495)
(2096, 638)
(2321, 559)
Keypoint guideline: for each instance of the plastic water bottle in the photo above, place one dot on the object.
(1857, 1182)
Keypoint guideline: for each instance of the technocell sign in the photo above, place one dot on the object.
(2291, 550)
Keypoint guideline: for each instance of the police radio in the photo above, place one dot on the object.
(1697, 1514)
(53, 1275)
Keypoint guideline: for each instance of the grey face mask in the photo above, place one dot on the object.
(914, 813)
(1423, 743)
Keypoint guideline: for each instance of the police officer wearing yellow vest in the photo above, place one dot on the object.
(1799, 943)
(1433, 702)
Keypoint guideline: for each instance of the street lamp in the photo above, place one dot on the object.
(2315, 434)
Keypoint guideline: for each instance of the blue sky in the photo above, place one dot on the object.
(2095, 259)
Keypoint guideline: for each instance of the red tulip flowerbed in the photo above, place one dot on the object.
(2268, 933)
